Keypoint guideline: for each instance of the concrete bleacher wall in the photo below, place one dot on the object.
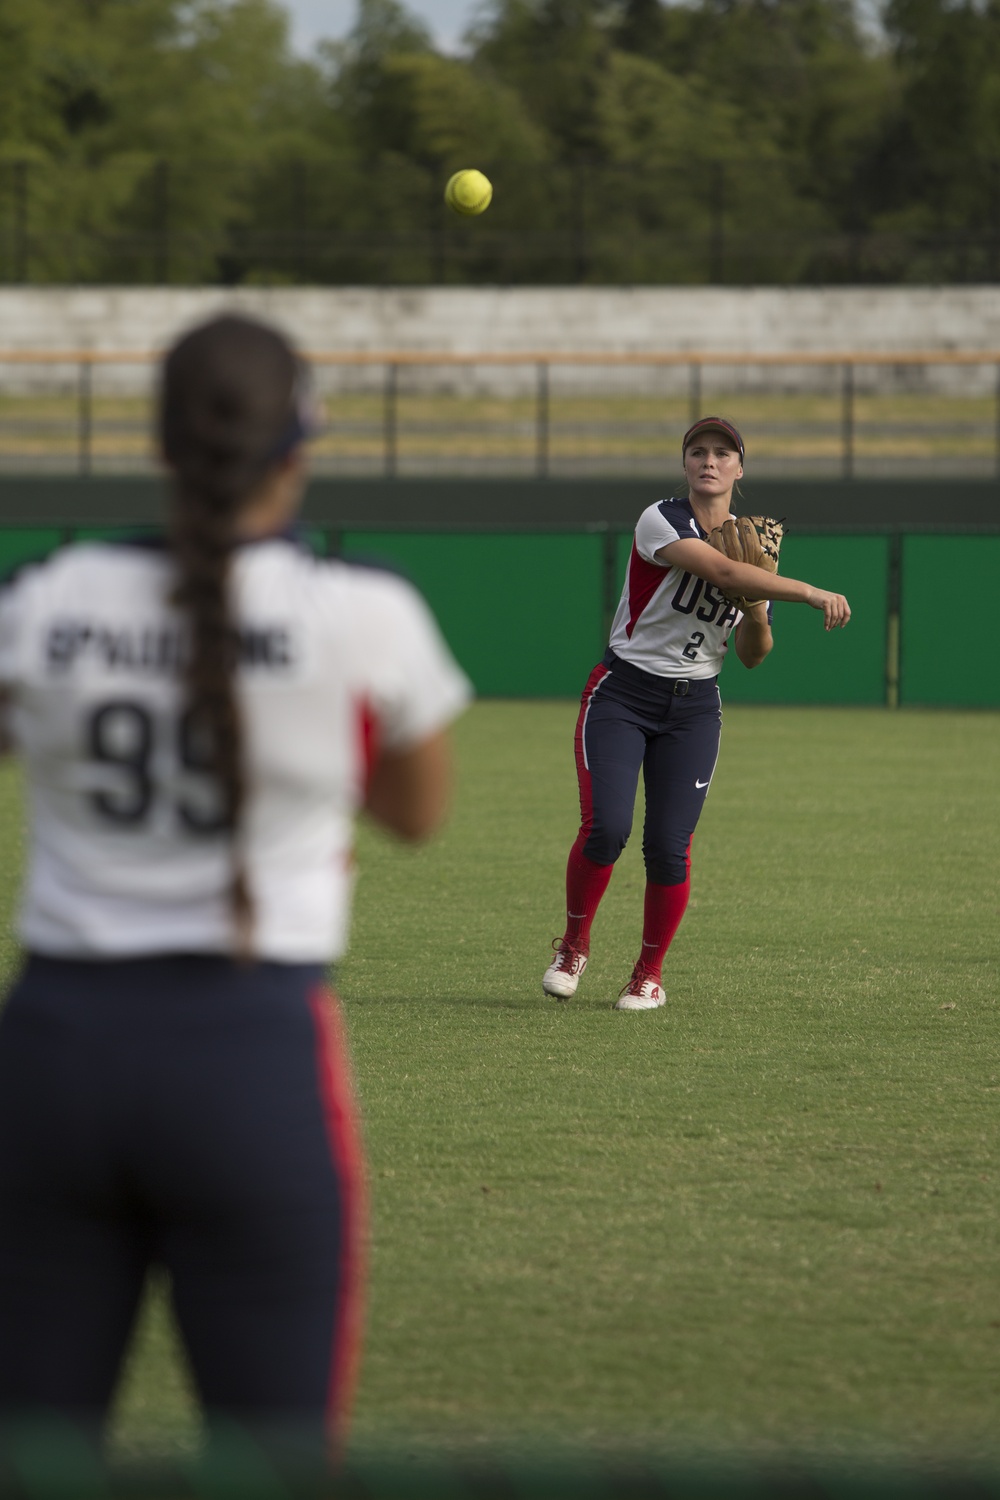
(564, 320)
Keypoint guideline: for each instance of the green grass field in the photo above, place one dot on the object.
(762, 1219)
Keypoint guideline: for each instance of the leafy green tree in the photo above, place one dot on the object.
(355, 67)
(437, 109)
(643, 27)
(553, 53)
(158, 75)
(691, 186)
(628, 139)
(26, 113)
(813, 97)
(785, 64)
(118, 151)
(939, 157)
(654, 118)
(947, 55)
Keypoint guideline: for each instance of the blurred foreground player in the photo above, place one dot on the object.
(200, 719)
(653, 704)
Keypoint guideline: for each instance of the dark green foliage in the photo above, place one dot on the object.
(555, 52)
(943, 158)
(629, 141)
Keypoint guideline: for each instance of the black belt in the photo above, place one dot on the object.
(680, 687)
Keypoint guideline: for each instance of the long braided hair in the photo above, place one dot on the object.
(228, 414)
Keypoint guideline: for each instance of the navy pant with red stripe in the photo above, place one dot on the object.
(195, 1114)
(631, 720)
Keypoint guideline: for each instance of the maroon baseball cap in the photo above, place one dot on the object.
(706, 424)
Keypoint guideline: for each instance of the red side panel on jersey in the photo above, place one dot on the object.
(594, 681)
(644, 578)
(368, 742)
(337, 1094)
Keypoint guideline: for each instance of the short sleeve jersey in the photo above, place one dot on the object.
(129, 848)
(669, 622)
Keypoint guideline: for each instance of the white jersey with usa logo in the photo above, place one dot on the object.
(668, 621)
(128, 846)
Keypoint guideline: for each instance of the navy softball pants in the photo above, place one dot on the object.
(194, 1114)
(669, 728)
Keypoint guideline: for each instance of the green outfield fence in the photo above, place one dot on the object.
(527, 614)
(525, 594)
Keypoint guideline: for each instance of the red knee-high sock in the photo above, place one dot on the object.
(662, 910)
(585, 885)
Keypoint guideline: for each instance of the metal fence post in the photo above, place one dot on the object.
(847, 420)
(390, 420)
(85, 416)
(542, 420)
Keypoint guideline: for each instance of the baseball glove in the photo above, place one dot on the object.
(749, 539)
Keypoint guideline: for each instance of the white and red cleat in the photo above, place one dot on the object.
(563, 974)
(642, 992)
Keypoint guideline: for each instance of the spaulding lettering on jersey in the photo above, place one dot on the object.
(157, 649)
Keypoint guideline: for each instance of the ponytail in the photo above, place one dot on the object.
(227, 415)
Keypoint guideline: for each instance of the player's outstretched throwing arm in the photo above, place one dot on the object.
(730, 577)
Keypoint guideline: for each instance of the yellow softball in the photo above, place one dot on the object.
(468, 192)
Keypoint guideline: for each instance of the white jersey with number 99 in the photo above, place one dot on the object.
(129, 848)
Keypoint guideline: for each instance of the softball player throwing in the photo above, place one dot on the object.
(653, 703)
(200, 719)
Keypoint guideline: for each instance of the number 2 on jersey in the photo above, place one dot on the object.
(122, 733)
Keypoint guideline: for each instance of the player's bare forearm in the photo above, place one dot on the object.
(753, 636)
(744, 579)
(409, 790)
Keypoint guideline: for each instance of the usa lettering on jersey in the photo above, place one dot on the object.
(668, 621)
